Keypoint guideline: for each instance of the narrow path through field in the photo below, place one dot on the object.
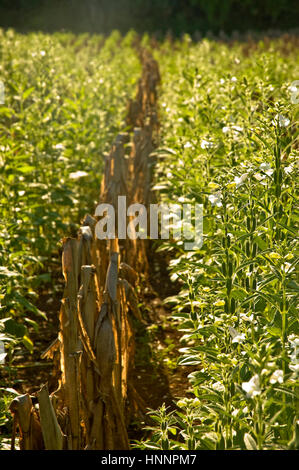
(157, 377)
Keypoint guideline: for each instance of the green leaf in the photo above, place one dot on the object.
(6, 111)
(172, 431)
(9, 390)
(28, 343)
(23, 301)
(261, 243)
(26, 169)
(197, 378)
(239, 294)
(274, 331)
(27, 93)
(14, 328)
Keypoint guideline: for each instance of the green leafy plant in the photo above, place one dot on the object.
(65, 99)
(230, 142)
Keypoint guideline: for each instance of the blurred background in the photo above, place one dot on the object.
(159, 16)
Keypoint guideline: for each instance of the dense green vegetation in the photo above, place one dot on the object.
(149, 15)
(229, 141)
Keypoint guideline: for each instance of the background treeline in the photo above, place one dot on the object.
(149, 15)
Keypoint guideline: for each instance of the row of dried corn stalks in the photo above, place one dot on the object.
(91, 407)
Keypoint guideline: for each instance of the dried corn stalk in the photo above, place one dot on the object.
(52, 434)
(26, 419)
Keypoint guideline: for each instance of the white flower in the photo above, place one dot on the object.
(187, 145)
(292, 89)
(259, 177)
(215, 199)
(206, 144)
(245, 317)
(237, 128)
(78, 174)
(3, 354)
(286, 268)
(239, 180)
(234, 79)
(240, 338)
(42, 53)
(294, 367)
(281, 121)
(218, 386)
(236, 336)
(288, 169)
(294, 340)
(252, 388)
(294, 357)
(266, 168)
(59, 146)
(277, 376)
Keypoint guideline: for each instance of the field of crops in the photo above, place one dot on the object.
(65, 98)
(228, 140)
